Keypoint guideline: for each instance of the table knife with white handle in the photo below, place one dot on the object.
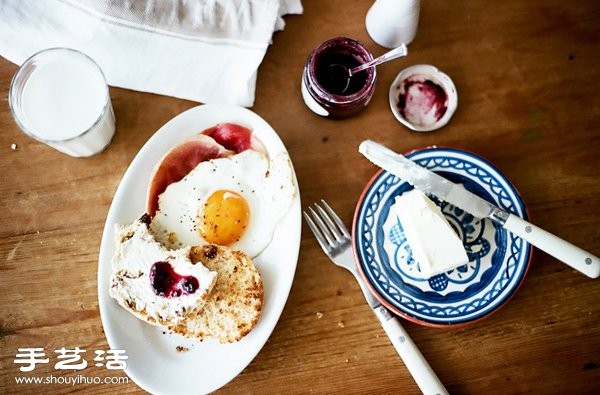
(432, 183)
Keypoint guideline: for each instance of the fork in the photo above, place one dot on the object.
(335, 240)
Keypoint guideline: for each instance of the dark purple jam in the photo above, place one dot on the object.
(334, 79)
(169, 284)
(328, 90)
(418, 97)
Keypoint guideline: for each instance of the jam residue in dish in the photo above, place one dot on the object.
(421, 101)
(166, 282)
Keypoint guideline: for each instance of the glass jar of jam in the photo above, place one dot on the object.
(331, 93)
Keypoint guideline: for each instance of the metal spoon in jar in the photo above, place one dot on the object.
(339, 72)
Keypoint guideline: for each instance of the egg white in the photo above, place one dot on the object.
(266, 184)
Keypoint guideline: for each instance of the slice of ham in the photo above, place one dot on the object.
(219, 141)
(235, 137)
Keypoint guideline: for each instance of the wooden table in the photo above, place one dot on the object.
(528, 77)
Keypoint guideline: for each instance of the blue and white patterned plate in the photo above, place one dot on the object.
(498, 260)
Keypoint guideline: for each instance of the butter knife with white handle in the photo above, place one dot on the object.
(432, 183)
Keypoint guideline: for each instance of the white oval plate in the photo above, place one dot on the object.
(154, 363)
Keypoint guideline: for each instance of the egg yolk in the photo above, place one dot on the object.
(224, 218)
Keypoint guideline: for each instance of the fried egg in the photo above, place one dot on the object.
(235, 201)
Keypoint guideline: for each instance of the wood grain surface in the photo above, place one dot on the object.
(527, 75)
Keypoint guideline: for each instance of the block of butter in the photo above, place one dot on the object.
(435, 245)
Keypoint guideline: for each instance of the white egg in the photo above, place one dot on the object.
(235, 201)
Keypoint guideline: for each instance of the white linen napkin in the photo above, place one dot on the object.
(207, 51)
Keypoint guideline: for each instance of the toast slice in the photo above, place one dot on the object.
(235, 302)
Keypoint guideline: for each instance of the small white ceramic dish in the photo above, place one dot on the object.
(423, 98)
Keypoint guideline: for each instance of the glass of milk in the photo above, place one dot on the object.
(59, 96)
